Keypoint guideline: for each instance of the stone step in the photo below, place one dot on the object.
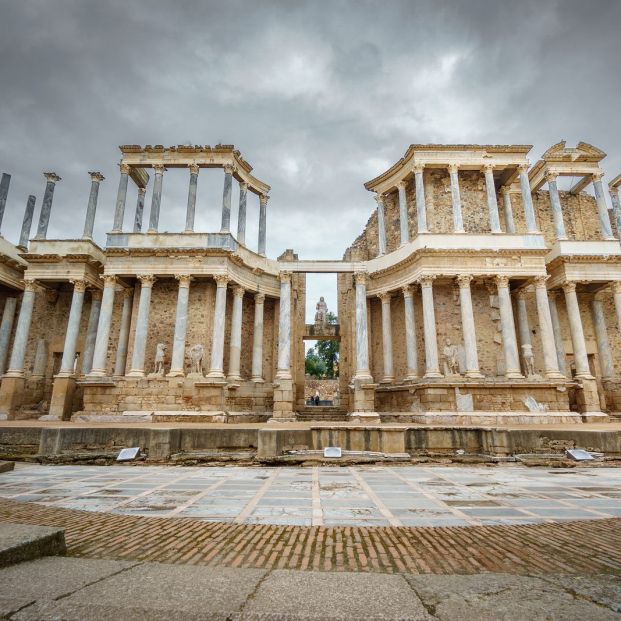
(24, 542)
(322, 414)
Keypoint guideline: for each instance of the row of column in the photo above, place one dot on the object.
(458, 223)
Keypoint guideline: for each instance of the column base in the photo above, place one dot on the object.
(514, 375)
(216, 376)
(432, 374)
(62, 397)
(96, 373)
(257, 380)
(585, 376)
(474, 374)
(283, 375)
(11, 395)
(363, 377)
(234, 379)
(555, 375)
(411, 377)
(365, 418)
(387, 380)
(175, 373)
(135, 373)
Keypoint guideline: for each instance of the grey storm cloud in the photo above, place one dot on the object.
(318, 96)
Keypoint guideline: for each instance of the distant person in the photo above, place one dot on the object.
(316, 399)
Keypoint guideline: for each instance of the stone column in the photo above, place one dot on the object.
(527, 200)
(432, 368)
(236, 328)
(191, 208)
(6, 327)
(257, 338)
(4, 192)
(27, 223)
(139, 210)
(100, 356)
(546, 329)
(181, 324)
(389, 375)
(121, 196)
(577, 334)
(216, 369)
(363, 372)
(283, 370)
(381, 225)
(404, 225)
(20, 341)
(262, 223)
(73, 327)
(506, 200)
(468, 326)
(616, 206)
(89, 222)
(410, 334)
(558, 335)
(225, 227)
(40, 362)
(241, 213)
(458, 222)
(91, 332)
(555, 203)
(156, 198)
(46, 205)
(507, 327)
(126, 316)
(492, 205)
(142, 325)
(603, 346)
(421, 208)
(522, 318)
(602, 208)
(616, 291)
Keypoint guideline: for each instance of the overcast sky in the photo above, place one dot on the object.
(318, 96)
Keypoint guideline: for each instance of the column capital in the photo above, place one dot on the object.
(238, 291)
(284, 276)
(453, 168)
(523, 168)
(502, 280)
(29, 284)
(464, 280)
(263, 198)
(401, 184)
(52, 177)
(597, 176)
(146, 280)
(361, 278)
(159, 169)
(488, 168)
(229, 169)
(124, 168)
(520, 294)
(194, 168)
(96, 176)
(418, 168)
(569, 287)
(127, 293)
(550, 175)
(259, 298)
(79, 285)
(109, 280)
(426, 281)
(243, 185)
(184, 279)
(221, 280)
(379, 198)
(142, 191)
(96, 295)
(540, 281)
(385, 297)
(616, 286)
(407, 291)
(505, 189)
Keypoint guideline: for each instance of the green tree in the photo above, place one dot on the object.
(322, 360)
(314, 365)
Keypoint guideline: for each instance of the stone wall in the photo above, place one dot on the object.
(327, 388)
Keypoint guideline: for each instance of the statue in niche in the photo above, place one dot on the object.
(160, 357)
(451, 358)
(529, 359)
(197, 353)
(321, 316)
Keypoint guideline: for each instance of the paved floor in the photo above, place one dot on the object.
(353, 496)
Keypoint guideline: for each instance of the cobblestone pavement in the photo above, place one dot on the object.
(331, 496)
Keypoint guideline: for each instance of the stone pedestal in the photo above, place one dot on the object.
(283, 400)
(587, 398)
(62, 397)
(364, 403)
(11, 395)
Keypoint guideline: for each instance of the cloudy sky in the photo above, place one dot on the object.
(318, 96)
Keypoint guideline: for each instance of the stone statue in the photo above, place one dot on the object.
(196, 357)
(160, 355)
(529, 359)
(321, 316)
(451, 358)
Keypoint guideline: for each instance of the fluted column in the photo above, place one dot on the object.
(191, 207)
(181, 325)
(6, 327)
(546, 330)
(363, 372)
(421, 207)
(126, 317)
(4, 192)
(522, 318)
(404, 225)
(577, 334)
(458, 221)
(507, 327)
(241, 212)
(236, 327)
(262, 223)
(142, 325)
(91, 209)
(381, 225)
(100, 356)
(468, 326)
(506, 201)
(432, 367)
(73, 327)
(139, 210)
(602, 208)
(601, 335)
(216, 369)
(389, 374)
(225, 226)
(91, 332)
(527, 200)
(121, 196)
(20, 341)
(558, 334)
(283, 370)
(492, 204)
(46, 205)
(555, 203)
(410, 334)
(27, 223)
(156, 198)
(257, 338)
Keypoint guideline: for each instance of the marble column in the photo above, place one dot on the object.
(558, 334)
(46, 205)
(139, 210)
(363, 372)
(181, 325)
(216, 368)
(241, 213)
(91, 332)
(527, 200)
(601, 335)
(616, 205)
(555, 203)
(27, 223)
(126, 316)
(262, 223)
(191, 207)
(381, 225)
(40, 361)
(577, 334)
(546, 330)
(404, 225)
(100, 356)
(602, 208)
(67, 364)
(283, 370)
(507, 327)
(236, 328)
(410, 334)
(6, 327)
(389, 375)
(616, 291)
(142, 325)
(89, 222)
(20, 341)
(4, 192)
(492, 205)
(225, 227)
(522, 318)
(421, 208)
(432, 367)
(257, 338)
(156, 198)
(506, 201)
(468, 326)
(458, 221)
(121, 196)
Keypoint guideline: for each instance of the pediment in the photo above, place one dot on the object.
(583, 152)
